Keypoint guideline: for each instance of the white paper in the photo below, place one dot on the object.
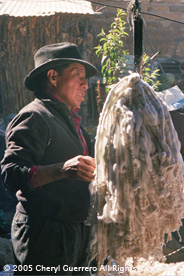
(172, 97)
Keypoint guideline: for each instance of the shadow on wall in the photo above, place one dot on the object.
(8, 201)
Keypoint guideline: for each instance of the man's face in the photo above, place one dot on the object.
(71, 85)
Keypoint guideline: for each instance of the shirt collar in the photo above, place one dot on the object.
(75, 111)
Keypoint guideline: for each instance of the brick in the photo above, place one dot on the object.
(177, 8)
(155, 8)
(172, 1)
(178, 16)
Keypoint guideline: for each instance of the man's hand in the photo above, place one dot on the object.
(80, 167)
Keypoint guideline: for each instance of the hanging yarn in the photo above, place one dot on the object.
(137, 194)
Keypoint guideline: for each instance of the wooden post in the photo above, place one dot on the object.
(138, 38)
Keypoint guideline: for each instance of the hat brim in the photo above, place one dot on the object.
(30, 79)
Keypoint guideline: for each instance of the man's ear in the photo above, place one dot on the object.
(52, 76)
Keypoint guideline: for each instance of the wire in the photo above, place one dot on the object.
(175, 251)
(146, 13)
(162, 17)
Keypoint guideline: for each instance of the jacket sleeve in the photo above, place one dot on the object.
(26, 140)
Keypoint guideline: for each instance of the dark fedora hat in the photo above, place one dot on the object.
(55, 55)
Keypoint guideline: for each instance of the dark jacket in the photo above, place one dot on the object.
(44, 133)
(178, 121)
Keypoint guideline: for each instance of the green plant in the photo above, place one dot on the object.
(149, 76)
(115, 57)
(112, 50)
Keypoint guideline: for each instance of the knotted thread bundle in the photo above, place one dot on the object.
(138, 190)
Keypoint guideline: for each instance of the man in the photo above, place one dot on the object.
(48, 165)
(172, 248)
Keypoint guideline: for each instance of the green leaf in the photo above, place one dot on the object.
(103, 59)
(109, 72)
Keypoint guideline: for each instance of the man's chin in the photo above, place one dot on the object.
(76, 109)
